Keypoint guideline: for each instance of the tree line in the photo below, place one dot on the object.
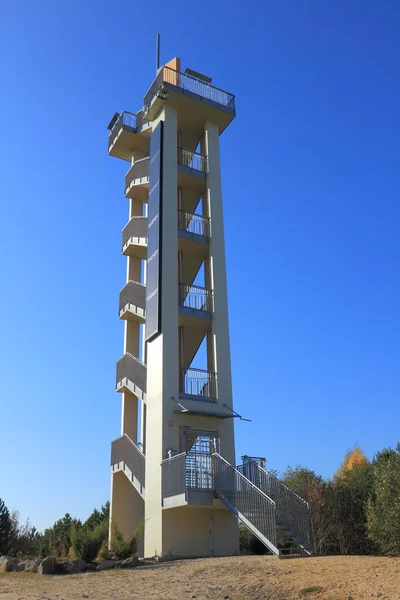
(355, 512)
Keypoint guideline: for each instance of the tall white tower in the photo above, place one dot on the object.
(173, 467)
(175, 373)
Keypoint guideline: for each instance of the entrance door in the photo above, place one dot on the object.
(199, 445)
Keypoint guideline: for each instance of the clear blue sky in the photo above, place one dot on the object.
(311, 191)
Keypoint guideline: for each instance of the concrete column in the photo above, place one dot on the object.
(162, 352)
(219, 343)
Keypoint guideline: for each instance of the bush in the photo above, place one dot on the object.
(248, 543)
(86, 543)
(121, 548)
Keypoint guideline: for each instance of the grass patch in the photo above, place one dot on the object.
(311, 589)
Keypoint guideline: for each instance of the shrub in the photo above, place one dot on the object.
(86, 543)
(248, 543)
(121, 548)
(105, 552)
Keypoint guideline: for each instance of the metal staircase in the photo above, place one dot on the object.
(246, 501)
(291, 509)
(271, 511)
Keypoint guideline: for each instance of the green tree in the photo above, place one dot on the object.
(347, 498)
(7, 528)
(86, 543)
(98, 516)
(57, 539)
(313, 489)
(383, 508)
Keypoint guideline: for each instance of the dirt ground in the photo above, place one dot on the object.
(235, 578)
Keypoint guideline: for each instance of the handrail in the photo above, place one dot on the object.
(251, 505)
(193, 160)
(172, 457)
(199, 383)
(244, 477)
(194, 296)
(190, 84)
(193, 223)
(291, 509)
(125, 119)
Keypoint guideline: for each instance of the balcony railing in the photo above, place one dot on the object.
(193, 223)
(131, 369)
(134, 293)
(196, 382)
(126, 120)
(138, 170)
(124, 450)
(194, 160)
(190, 84)
(136, 228)
(186, 471)
(194, 296)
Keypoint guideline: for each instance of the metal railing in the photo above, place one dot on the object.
(173, 472)
(131, 368)
(291, 509)
(194, 296)
(194, 160)
(124, 450)
(135, 228)
(196, 382)
(199, 471)
(193, 223)
(126, 120)
(133, 293)
(240, 493)
(190, 84)
(140, 120)
(139, 169)
(186, 471)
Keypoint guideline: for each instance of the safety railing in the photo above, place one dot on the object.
(241, 494)
(190, 84)
(126, 120)
(194, 296)
(186, 471)
(124, 450)
(193, 160)
(140, 120)
(138, 170)
(291, 509)
(173, 471)
(135, 230)
(133, 293)
(132, 369)
(196, 382)
(193, 223)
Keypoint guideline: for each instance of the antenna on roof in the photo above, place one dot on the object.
(157, 53)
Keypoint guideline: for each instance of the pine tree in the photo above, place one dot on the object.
(6, 528)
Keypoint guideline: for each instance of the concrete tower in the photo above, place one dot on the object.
(173, 467)
(175, 373)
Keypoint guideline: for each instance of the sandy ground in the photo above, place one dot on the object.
(236, 578)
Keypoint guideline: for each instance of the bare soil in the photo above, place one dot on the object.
(235, 578)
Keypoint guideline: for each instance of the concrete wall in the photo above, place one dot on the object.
(126, 506)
